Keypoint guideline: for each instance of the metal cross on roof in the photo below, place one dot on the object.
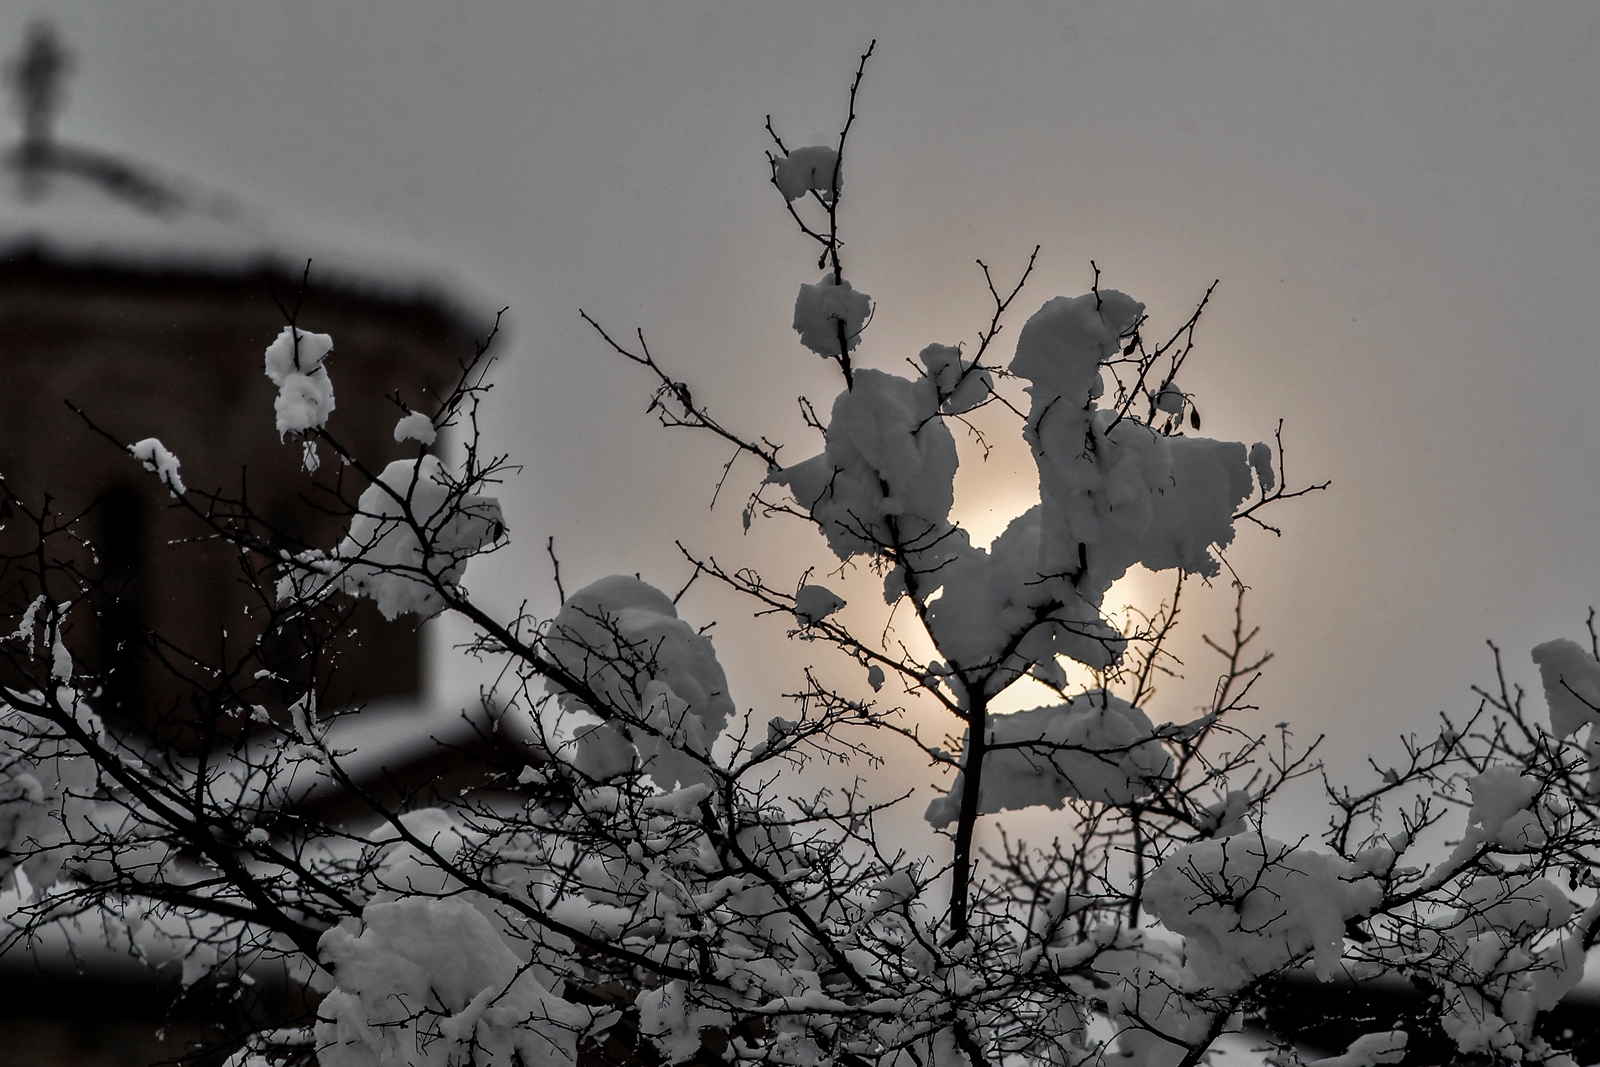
(35, 78)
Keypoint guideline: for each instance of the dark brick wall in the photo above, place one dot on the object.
(179, 357)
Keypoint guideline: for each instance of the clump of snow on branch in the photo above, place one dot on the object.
(1370, 1050)
(160, 462)
(1502, 815)
(48, 784)
(886, 476)
(823, 309)
(1248, 905)
(1124, 492)
(428, 982)
(654, 682)
(961, 386)
(813, 603)
(295, 363)
(45, 783)
(1142, 981)
(415, 427)
(414, 527)
(815, 167)
(1571, 678)
(1229, 815)
(673, 1022)
(988, 596)
(1261, 463)
(1499, 978)
(1170, 399)
(48, 629)
(1095, 747)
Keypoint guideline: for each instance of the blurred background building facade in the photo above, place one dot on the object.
(147, 301)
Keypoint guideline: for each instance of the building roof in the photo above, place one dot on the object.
(76, 206)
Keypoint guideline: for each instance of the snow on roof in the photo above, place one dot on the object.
(372, 744)
(387, 736)
(80, 207)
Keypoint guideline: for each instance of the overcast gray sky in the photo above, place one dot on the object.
(1399, 200)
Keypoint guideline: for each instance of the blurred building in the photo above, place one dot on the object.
(146, 301)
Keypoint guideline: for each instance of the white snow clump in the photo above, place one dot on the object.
(661, 693)
(1249, 905)
(415, 427)
(382, 558)
(1229, 815)
(813, 603)
(961, 387)
(886, 457)
(1170, 399)
(1140, 976)
(820, 309)
(1501, 980)
(429, 983)
(1501, 815)
(1096, 747)
(163, 464)
(1571, 678)
(1261, 461)
(813, 167)
(47, 783)
(667, 1017)
(1115, 486)
(1369, 1050)
(294, 362)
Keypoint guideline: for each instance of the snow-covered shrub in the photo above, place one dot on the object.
(642, 871)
